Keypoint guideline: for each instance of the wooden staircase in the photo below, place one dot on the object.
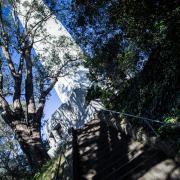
(104, 153)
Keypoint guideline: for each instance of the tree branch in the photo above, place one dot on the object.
(55, 78)
(3, 103)
(5, 46)
(9, 60)
(44, 93)
(31, 109)
(35, 27)
(21, 64)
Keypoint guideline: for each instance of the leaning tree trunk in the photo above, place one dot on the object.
(30, 141)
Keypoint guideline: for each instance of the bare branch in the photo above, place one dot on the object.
(3, 103)
(32, 31)
(39, 40)
(20, 68)
(4, 47)
(9, 60)
(7, 110)
(55, 78)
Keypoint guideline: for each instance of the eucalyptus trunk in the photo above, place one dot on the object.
(29, 138)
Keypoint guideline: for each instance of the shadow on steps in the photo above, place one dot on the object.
(105, 153)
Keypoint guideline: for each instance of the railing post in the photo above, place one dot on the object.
(59, 165)
(76, 160)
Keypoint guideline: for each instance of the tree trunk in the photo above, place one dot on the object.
(29, 139)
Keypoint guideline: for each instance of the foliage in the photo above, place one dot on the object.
(170, 131)
(170, 120)
(48, 170)
(147, 33)
(54, 168)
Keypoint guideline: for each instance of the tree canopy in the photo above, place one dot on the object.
(28, 76)
(136, 50)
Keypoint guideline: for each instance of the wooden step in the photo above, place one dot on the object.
(107, 154)
(123, 158)
(122, 170)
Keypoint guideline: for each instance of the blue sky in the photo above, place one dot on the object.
(52, 104)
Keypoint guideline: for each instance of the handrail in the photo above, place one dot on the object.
(143, 118)
(59, 163)
(62, 149)
(146, 120)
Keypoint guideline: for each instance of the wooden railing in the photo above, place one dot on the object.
(76, 161)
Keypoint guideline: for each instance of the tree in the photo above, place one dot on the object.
(151, 29)
(23, 78)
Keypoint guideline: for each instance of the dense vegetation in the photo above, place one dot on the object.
(132, 50)
(135, 61)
